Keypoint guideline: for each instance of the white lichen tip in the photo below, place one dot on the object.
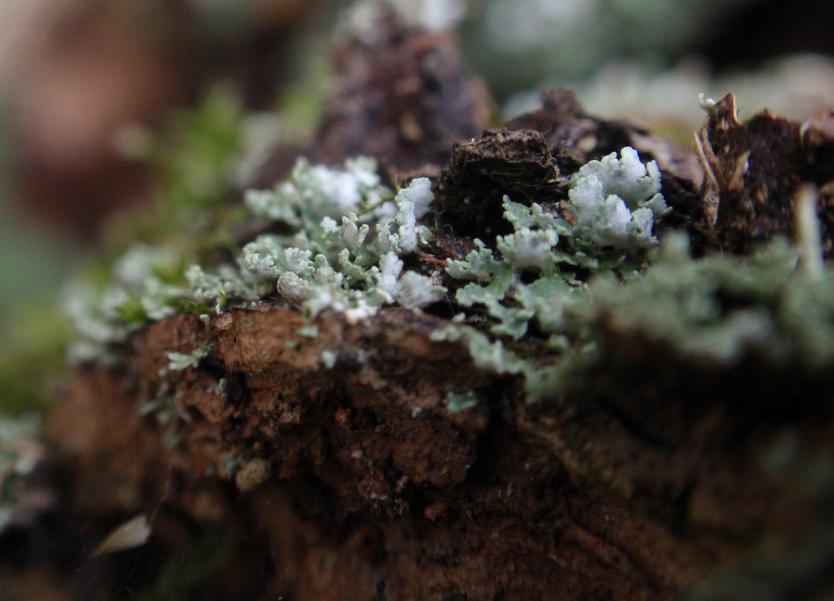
(615, 201)
(181, 361)
(528, 249)
(415, 291)
(419, 193)
(390, 268)
(362, 19)
(706, 103)
(316, 191)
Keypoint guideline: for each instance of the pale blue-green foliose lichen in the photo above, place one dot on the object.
(538, 271)
(456, 402)
(614, 204)
(721, 308)
(344, 242)
(615, 201)
(20, 453)
(346, 239)
(181, 361)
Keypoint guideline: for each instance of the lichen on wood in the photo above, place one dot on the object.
(489, 370)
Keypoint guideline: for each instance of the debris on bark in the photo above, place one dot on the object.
(755, 169)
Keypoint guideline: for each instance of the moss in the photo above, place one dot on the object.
(32, 359)
(346, 237)
(195, 161)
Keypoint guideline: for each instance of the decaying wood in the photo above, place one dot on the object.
(356, 481)
(756, 169)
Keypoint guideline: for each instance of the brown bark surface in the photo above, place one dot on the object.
(351, 488)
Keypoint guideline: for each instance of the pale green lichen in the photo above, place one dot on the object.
(347, 237)
(19, 450)
(20, 453)
(345, 244)
(180, 361)
(485, 354)
(537, 272)
(549, 250)
(459, 402)
(715, 310)
(329, 358)
(615, 201)
(313, 192)
(343, 250)
(362, 19)
(161, 407)
(722, 308)
(141, 289)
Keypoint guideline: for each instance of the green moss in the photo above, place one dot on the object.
(195, 161)
(31, 358)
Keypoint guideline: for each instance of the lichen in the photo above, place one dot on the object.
(362, 19)
(329, 358)
(564, 283)
(313, 192)
(20, 453)
(180, 361)
(140, 289)
(721, 308)
(346, 238)
(343, 243)
(615, 201)
(347, 245)
(536, 273)
(459, 402)
(547, 250)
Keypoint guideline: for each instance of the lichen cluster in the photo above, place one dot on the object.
(528, 282)
(345, 238)
(341, 242)
(722, 308)
(538, 267)
(20, 453)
